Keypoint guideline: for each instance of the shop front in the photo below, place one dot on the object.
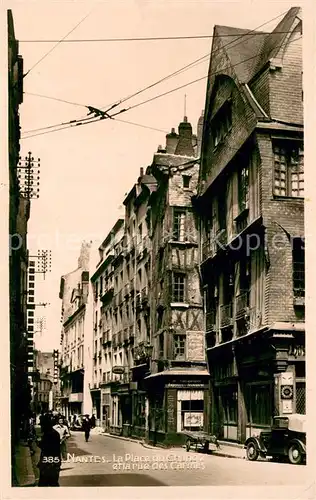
(105, 409)
(177, 402)
(96, 405)
(254, 378)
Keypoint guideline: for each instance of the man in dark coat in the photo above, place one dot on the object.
(86, 426)
(50, 460)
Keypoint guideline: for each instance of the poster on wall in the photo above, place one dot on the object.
(193, 419)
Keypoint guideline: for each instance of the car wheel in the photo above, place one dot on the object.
(188, 445)
(252, 452)
(295, 455)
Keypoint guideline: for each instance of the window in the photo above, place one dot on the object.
(243, 188)
(221, 206)
(288, 170)
(222, 123)
(96, 290)
(186, 181)
(179, 217)
(161, 346)
(31, 285)
(298, 267)
(178, 287)
(259, 404)
(179, 347)
(101, 286)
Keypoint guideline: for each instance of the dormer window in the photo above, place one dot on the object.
(222, 123)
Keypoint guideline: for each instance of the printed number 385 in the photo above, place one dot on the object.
(51, 460)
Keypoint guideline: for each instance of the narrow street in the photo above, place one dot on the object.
(106, 461)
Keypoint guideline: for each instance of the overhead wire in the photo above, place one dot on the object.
(58, 42)
(195, 62)
(184, 68)
(86, 121)
(134, 39)
(54, 99)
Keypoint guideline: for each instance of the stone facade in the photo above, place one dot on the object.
(251, 204)
(74, 293)
(19, 211)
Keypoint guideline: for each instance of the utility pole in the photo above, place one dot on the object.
(28, 176)
(44, 261)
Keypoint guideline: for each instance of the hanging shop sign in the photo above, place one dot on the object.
(119, 370)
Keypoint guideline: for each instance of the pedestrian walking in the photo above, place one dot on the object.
(64, 434)
(50, 459)
(92, 420)
(86, 426)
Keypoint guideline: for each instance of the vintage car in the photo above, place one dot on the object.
(286, 439)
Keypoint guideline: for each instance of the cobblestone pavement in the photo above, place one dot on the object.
(106, 461)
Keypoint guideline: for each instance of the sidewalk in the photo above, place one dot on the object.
(227, 449)
(24, 472)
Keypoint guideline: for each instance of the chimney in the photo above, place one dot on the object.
(184, 146)
(160, 149)
(171, 141)
(83, 261)
(200, 133)
(141, 172)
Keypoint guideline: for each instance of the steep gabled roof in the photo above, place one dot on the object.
(242, 49)
(273, 42)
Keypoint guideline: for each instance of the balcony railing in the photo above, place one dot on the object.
(210, 320)
(226, 315)
(242, 304)
(241, 222)
(214, 243)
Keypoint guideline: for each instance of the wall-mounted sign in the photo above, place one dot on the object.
(286, 392)
(193, 419)
(287, 406)
(287, 378)
(297, 351)
(119, 370)
(195, 346)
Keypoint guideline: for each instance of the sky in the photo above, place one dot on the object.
(86, 171)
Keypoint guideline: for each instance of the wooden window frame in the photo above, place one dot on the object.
(289, 169)
(176, 294)
(179, 344)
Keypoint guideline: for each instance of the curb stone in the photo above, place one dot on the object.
(145, 445)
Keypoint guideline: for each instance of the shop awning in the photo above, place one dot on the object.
(180, 373)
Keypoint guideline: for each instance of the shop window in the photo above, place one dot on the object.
(179, 221)
(298, 267)
(259, 404)
(192, 414)
(229, 405)
(301, 397)
(178, 287)
(179, 347)
(288, 169)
